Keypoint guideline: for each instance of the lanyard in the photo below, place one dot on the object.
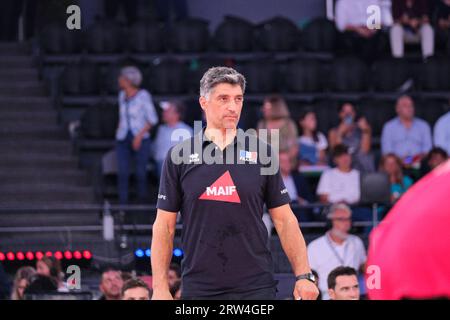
(333, 249)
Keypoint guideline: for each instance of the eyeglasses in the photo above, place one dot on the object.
(342, 219)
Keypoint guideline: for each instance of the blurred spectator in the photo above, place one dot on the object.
(340, 184)
(316, 275)
(137, 116)
(276, 116)
(442, 132)
(351, 20)
(436, 157)
(406, 136)
(337, 247)
(41, 284)
(312, 144)
(295, 183)
(174, 274)
(343, 284)
(175, 290)
(111, 285)
(4, 284)
(442, 23)
(356, 134)
(51, 267)
(392, 165)
(172, 117)
(21, 282)
(135, 289)
(411, 25)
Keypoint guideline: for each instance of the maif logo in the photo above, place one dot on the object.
(223, 189)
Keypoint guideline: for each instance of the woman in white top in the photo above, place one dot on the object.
(312, 144)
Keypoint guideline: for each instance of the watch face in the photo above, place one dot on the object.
(312, 277)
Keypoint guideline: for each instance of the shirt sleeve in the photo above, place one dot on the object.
(427, 142)
(385, 141)
(340, 16)
(276, 193)
(150, 112)
(439, 134)
(170, 194)
(362, 256)
(324, 184)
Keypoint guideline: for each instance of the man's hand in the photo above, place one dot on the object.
(137, 141)
(161, 295)
(305, 290)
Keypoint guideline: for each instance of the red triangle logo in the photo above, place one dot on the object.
(223, 189)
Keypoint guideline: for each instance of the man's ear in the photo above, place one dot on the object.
(331, 294)
(202, 101)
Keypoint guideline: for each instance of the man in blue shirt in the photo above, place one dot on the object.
(221, 205)
(442, 132)
(406, 136)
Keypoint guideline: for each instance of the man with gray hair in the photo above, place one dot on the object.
(225, 242)
(337, 247)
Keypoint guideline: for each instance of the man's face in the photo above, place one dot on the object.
(170, 115)
(285, 163)
(343, 162)
(223, 106)
(342, 221)
(123, 83)
(347, 110)
(111, 284)
(405, 108)
(347, 288)
(137, 293)
(436, 159)
(172, 277)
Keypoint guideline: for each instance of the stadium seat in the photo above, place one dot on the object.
(190, 35)
(278, 34)
(390, 74)
(303, 75)
(234, 35)
(168, 77)
(348, 74)
(197, 67)
(375, 188)
(57, 39)
(319, 36)
(81, 79)
(105, 37)
(434, 75)
(260, 74)
(377, 112)
(99, 122)
(146, 37)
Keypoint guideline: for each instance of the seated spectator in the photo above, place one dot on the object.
(21, 282)
(356, 134)
(135, 289)
(111, 285)
(277, 116)
(312, 144)
(175, 290)
(294, 181)
(442, 132)
(392, 165)
(442, 24)
(40, 284)
(137, 116)
(174, 274)
(351, 20)
(172, 117)
(436, 157)
(340, 184)
(343, 284)
(51, 267)
(406, 136)
(411, 25)
(296, 185)
(336, 247)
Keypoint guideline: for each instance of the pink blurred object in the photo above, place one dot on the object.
(411, 246)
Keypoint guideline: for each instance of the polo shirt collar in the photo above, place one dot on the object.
(205, 141)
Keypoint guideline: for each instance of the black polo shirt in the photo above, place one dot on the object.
(224, 238)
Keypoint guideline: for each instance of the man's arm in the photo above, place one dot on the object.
(162, 246)
(294, 246)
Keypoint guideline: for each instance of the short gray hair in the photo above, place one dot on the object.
(337, 207)
(217, 75)
(133, 74)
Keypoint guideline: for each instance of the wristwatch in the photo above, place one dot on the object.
(306, 276)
